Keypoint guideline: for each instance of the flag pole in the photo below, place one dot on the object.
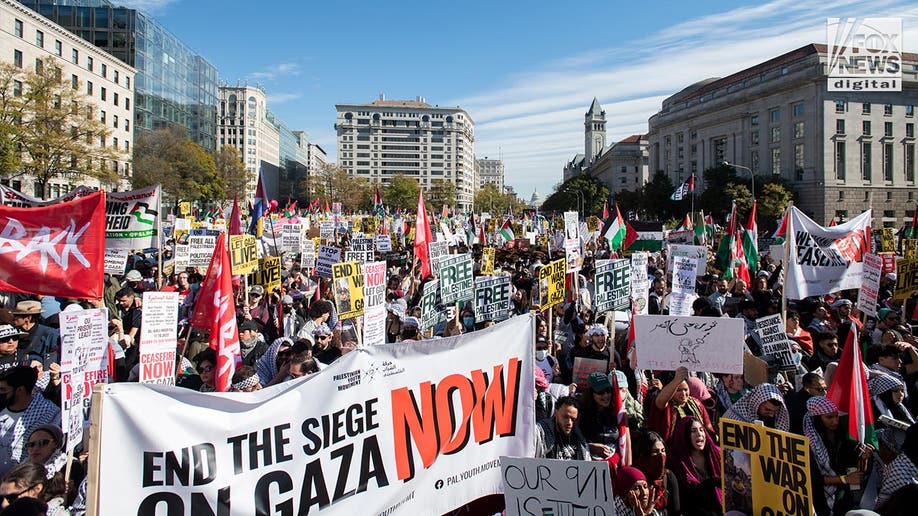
(788, 234)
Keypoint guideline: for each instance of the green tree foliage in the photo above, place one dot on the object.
(772, 201)
(402, 193)
(184, 169)
(49, 129)
(741, 195)
(714, 200)
(334, 184)
(579, 191)
(442, 192)
(490, 199)
(232, 172)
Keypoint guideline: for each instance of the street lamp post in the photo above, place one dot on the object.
(751, 174)
(580, 203)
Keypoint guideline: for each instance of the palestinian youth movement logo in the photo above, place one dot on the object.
(144, 214)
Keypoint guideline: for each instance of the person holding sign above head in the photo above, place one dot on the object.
(765, 403)
(841, 464)
(672, 403)
(695, 459)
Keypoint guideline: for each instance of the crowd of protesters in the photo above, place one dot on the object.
(664, 458)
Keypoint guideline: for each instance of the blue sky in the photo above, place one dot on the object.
(525, 72)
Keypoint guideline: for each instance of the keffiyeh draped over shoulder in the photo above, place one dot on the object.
(815, 407)
(746, 408)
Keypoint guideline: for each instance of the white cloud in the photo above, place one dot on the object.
(280, 98)
(275, 71)
(535, 121)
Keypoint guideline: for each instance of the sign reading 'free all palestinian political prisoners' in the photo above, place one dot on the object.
(413, 429)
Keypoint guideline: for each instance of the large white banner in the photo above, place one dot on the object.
(825, 259)
(158, 338)
(417, 428)
(666, 342)
(131, 218)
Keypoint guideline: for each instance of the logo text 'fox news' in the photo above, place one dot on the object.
(865, 54)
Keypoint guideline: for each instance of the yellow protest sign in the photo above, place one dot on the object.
(185, 208)
(909, 247)
(906, 278)
(765, 471)
(347, 279)
(551, 284)
(592, 223)
(268, 274)
(316, 242)
(888, 240)
(491, 226)
(369, 225)
(487, 260)
(243, 253)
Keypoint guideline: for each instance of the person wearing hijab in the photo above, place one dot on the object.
(634, 409)
(902, 471)
(633, 495)
(672, 403)
(270, 364)
(834, 455)
(730, 389)
(695, 459)
(765, 404)
(649, 456)
(888, 394)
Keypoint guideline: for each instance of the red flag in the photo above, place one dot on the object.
(631, 236)
(782, 226)
(327, 209)
(422, 237)
(214, 312)
(235, 223)
(605, 211)
(849, 392)
(832, 222)
(56, 250)
(691, 183)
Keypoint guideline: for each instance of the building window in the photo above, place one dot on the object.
(115, 99)
(865, 127)
(888, 162)
(40, 39)
(754, 138)
(127, 82)
(115, 78)
(75, 56)
(840, 161)
(909, 110)
(841, 106)
(104, 93)
(798, 109)
(887, 129)
(841, 195)
(865, 108)
(775, 134)
(89, 87)
(798, 130)
(841, 215)
(887, 109)
(115, 121)
(18, 28)
(775, 116)
(17, 58)
(866, 158)
(753, 161)
(910, 162)
(74, 81)
(103, 117)
(909, 130)
(104, 70)
(89, 63)
(58, 48)
(798, 156)
(17, 88)
(839, 126)
(776, 161)
(754, 120)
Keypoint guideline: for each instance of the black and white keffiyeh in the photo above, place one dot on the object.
(815, 407)
(746, 408)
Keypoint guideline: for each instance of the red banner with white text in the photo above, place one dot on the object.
(56, 250)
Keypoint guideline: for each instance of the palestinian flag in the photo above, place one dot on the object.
(750, 240)
(377, 204)
(782, 228)
(506, 232)
(647, 236)
(614, 230)
(911, 231)
(686, 224)
(726, 250)
(740, 262)
(849, 392)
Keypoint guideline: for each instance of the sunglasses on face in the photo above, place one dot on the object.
(207, 369)
(323, 337)
(40, 444)
(9, 339)
(10, 498)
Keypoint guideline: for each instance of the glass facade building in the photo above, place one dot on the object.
(293, 167)
(173, 84)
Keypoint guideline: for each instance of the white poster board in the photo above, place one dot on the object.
(612, 282)
(770, 334)
(84, 341)
(456, 281)
(557, 487)
(492, 298)
(712, 344)
(116, 260)
(158, 337)
(870, 287)
(699, 253)
(683, 294)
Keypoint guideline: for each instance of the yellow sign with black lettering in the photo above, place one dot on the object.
(347, 279)
(888, 240)
(909, 247)
(906, 278)
(185, 208)
(551, 284)
(765, 471)
(268, 274)
(243, 253)
(487, 261)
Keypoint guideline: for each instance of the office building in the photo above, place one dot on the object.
(318, 159)
(386, 138)
(843, 152)
(25, 39)
(245, 123)
(490, 171)
(173, 84)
